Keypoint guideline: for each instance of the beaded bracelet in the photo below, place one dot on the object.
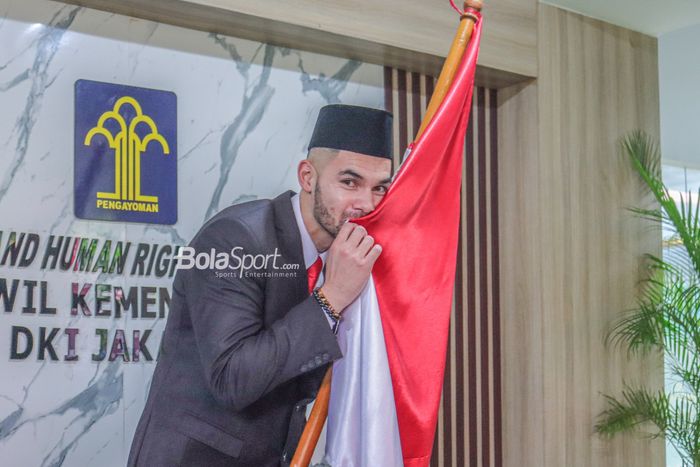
(326, 305)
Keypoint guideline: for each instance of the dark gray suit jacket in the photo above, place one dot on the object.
(241, 357)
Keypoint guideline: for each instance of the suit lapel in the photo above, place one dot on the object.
(289, 240)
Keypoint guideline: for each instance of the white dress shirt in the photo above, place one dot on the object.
(307, 245)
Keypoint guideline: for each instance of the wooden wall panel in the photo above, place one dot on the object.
(408, 34)
(521, 246)
(571, 252)
(423, 26)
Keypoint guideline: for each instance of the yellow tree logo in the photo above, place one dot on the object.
(128, 148)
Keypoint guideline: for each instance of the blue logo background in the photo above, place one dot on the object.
(94, 169)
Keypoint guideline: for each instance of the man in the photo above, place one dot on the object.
(246, 346)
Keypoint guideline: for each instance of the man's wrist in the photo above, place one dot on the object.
(331, 314)
(326, 304)
(332, 298)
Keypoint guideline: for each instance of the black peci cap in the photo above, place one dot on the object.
(353, 128)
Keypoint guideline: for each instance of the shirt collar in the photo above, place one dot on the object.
(307, 244)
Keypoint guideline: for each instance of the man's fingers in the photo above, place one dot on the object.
(345, 231)
(357, 235)
(365, 245)
(374, 253)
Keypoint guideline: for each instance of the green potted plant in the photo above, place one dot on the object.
(666, 319)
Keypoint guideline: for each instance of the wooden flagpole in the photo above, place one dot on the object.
(314, 426)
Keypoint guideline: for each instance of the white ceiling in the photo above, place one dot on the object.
(653, 17)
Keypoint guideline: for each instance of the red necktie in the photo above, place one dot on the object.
(314, 272)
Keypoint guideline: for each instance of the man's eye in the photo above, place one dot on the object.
(348, 182)
(381, 189)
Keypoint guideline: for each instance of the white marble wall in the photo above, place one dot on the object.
(245, 113)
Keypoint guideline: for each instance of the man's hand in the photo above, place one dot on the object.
(350, 259)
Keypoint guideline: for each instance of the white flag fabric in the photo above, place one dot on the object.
(362, 425)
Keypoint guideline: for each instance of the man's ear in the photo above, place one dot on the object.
(306, 173)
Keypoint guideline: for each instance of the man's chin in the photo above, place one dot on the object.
(331, 230)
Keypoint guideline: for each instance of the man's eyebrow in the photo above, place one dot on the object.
(352, 173)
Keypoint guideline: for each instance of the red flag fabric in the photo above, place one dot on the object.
(417, 224)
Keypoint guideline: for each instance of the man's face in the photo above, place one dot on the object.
(349, 185)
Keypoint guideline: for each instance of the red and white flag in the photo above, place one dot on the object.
(386, 389)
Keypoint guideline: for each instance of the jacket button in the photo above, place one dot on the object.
(318, 360)
(304, 368)
(326, 357)
(298, 407)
